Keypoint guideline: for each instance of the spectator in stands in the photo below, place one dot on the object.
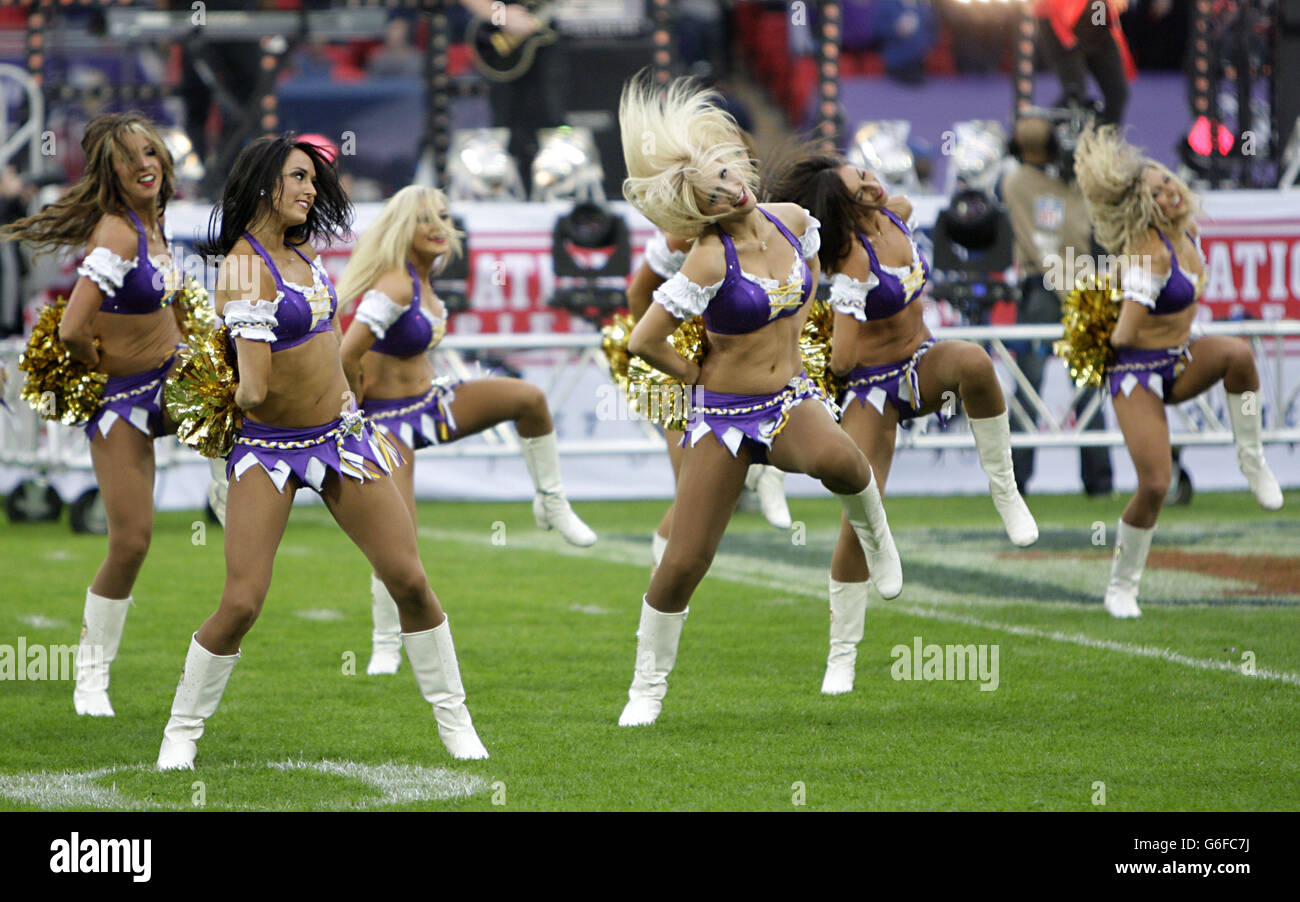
(703, 34)
(1048, 215)
(902, 31)
(397, 58)
(312, 60)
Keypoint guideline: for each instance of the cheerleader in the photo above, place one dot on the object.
(1147, 215)
(664, 256)
(751, 274)
(385, 357)
(893, 368)
(117, 322)
(301, 428)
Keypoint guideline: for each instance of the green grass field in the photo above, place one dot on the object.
(1158, 710)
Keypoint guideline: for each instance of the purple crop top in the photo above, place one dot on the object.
(297, 313)
(130, 286)
(887, 290)
(1175, 293)
(742, 303)
(400, 331)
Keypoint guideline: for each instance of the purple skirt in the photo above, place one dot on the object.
(887, 382)
(418, 421)
(752, 419)
(1155, 370)
(309, 454)
(137, 399)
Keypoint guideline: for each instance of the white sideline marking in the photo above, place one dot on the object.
(637, 554)
(397, 783)
(1128, 648)
(589, 609)
(58, 554)
(322, 615)
(69, 790)
(36, 621)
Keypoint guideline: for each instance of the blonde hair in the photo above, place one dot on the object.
(384, 245)
(673, 139)
(1110, 173)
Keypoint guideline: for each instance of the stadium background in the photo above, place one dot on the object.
(1161, 710)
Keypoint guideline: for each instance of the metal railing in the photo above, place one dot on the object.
(29, 132)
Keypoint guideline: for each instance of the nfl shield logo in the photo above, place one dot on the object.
(1049, 213)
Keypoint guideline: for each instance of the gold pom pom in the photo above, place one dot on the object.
(196, 316)
(657, 396)
(815, 347)
(58, 387)
(614, 338)
(200, 395)
(1089, 315)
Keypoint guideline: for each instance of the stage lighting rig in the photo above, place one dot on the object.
(567, 166)
(881, 146)
(481, 167)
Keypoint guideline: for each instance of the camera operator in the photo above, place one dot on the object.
(1048, 216)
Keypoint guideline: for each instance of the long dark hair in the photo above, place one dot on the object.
(72, 219)
(804, 175)
(254, 185)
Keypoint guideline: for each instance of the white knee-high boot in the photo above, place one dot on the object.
(101, 634)
(218, 488)
(848, 618)
(202, 684)
(1131, 546)
(657, 638)
(769, 484)
(866, 514)
(386, 638)
(437, 673)
(1246, 428)
(550, 507)
(993, 441)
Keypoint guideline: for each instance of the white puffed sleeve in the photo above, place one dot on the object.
(1141, 286)
(106, 269)
(252, 320)
(378, 311)
(848, 295)
(810, 241)
(661, 259)
(683, 298)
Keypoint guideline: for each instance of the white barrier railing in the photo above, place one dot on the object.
(28, 135)
(574, 359)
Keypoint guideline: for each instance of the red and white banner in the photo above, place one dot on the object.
(1252, 269)
(1251, 240)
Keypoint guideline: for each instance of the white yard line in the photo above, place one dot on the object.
(728, 568)
(396, 783)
